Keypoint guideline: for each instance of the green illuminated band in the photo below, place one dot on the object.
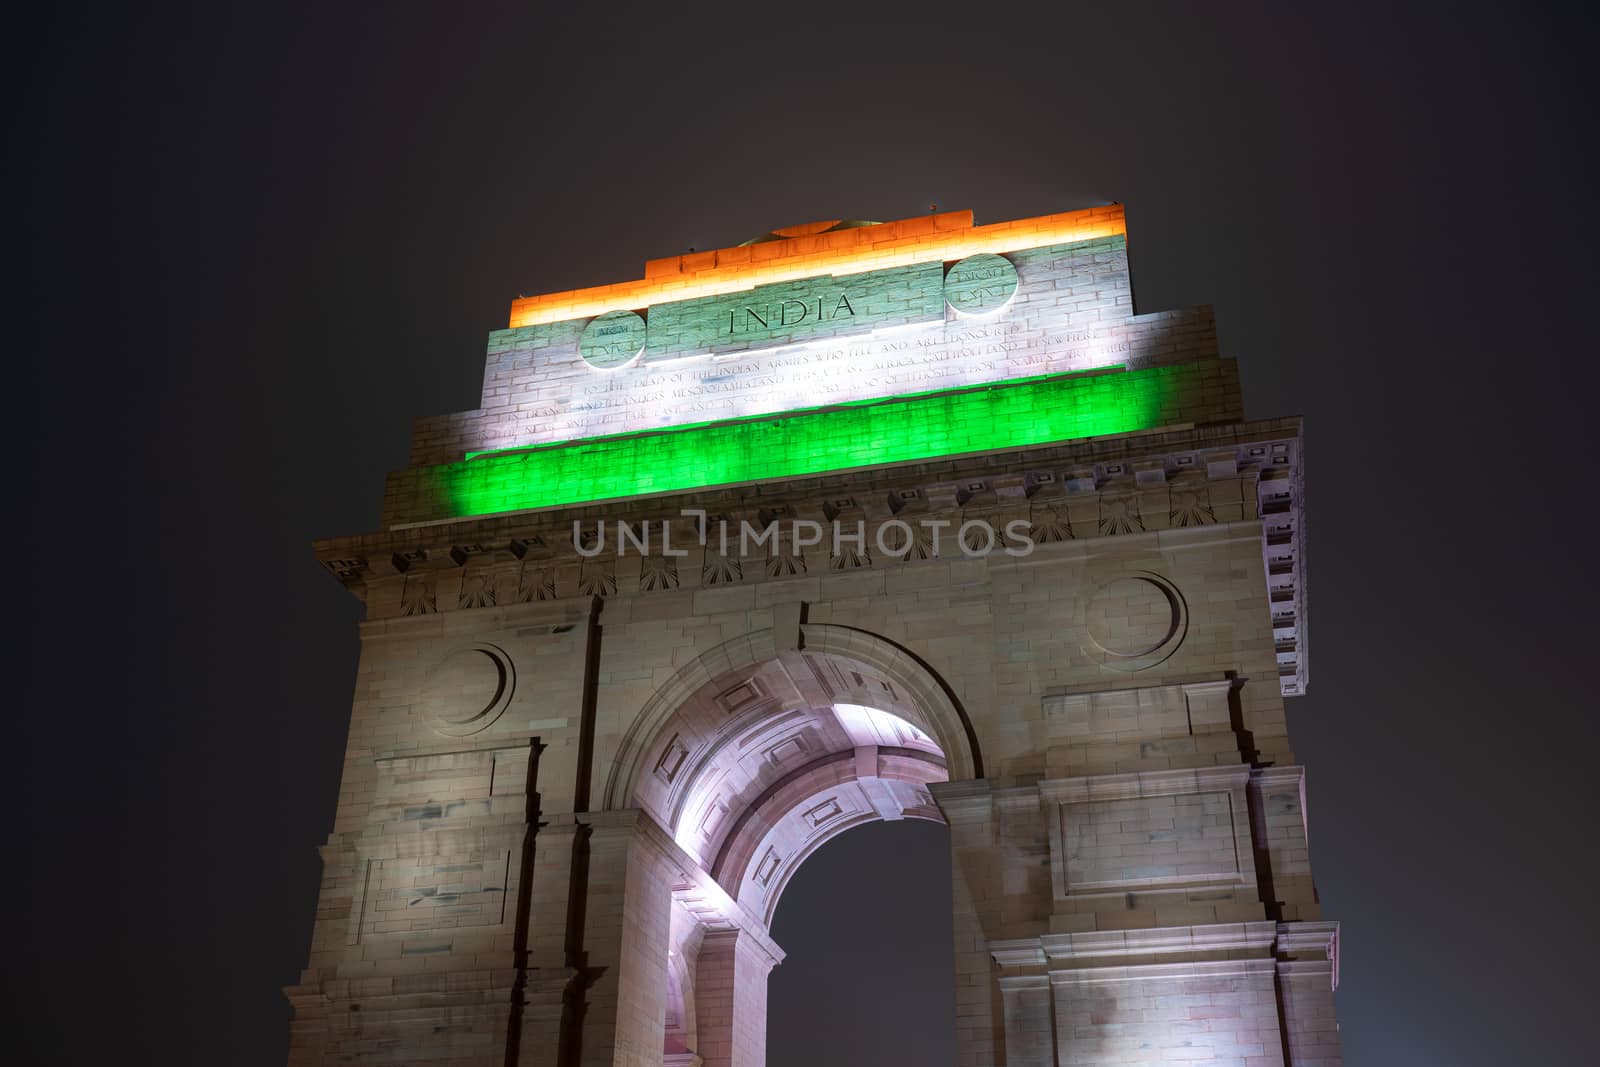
(1017, 414)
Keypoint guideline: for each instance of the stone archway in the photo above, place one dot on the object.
(914, 690)
(752, 757)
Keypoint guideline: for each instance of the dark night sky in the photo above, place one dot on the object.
(258, 242)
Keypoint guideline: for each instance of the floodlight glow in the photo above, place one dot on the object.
(730, 270)
(874, 726)
(1015, 414)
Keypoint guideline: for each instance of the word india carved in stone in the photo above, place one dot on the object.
(797, 311)
(819, 341)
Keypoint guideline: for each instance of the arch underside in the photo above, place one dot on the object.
(762, 764)
(805, 665)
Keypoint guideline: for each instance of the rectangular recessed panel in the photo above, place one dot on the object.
(740, 695)
(712, 819)
(443, 892)
(823, 812)
(1225, 1015)
(672, 757)
(1149, 841)
(787, 749)
(767, 867)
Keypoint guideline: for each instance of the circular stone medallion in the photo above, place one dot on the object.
(1135, 622)
(980, 284)
(468, 689)
(613, 339)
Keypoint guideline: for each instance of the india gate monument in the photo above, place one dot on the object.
(921, 519)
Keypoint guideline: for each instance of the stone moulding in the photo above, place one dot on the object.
(948, 721)
(1250, 471)
(1301, 949)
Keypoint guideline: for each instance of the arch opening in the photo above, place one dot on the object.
(869, 977)
(754, 758)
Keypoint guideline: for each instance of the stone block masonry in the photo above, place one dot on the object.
(578, 780)
(1072, 311)
(1011, 415)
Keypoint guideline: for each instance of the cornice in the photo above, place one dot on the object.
(1254, 937)
(1310, 948)
(1295, 950)
(1184, 487)
(1145, 784)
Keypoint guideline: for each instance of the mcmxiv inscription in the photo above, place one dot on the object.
(611, 340)
(980, 284)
